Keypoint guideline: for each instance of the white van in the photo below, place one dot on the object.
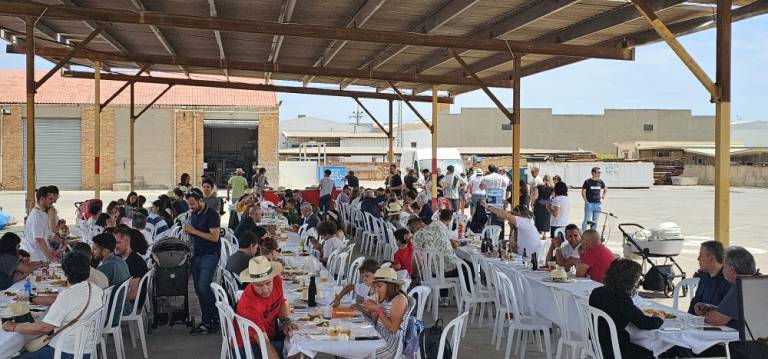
(419, 159)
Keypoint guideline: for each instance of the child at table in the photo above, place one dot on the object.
(387, 310)
(362, 289)
(403, 259)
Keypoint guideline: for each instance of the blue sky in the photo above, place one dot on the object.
(656, 79)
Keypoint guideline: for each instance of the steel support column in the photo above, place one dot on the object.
(132, 137)
(390, 138)
(723, 123)
(433, 130)
(516, 130)
(97, 130)
(31, 87)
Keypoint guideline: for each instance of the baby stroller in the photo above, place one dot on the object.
(665, 241)
(170, 296)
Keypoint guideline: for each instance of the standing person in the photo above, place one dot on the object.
(209, 195)
(495, 186)
(535, 179)
(410, 180)
(542, 195)
(713, 286)
(452, 184)
(593, 193)
(476, 189)
(204, 229)
(528, 240)
(559, 208)
(260, 182)
(525, 197)
(37, 228)
(394, 182)
(352, 180)
(236, 185)
(326, 187)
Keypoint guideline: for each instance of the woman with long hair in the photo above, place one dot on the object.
(387, 310)
(559, 208)
(12, 268)
(541, 196)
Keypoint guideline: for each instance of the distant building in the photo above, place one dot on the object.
(753, 133)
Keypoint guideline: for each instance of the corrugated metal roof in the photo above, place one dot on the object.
(65, 90)
(327, 134)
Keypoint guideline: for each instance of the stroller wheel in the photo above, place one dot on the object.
(668, 291)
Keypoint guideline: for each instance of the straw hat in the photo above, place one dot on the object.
(393, 208)
(281, 190)
(386, 275)
(260, 269)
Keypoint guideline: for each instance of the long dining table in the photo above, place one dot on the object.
(674, 332)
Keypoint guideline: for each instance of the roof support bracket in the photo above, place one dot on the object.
(122, 88)
(408, 103)
(669, 37)
(389, 134)
(147, 107)
(70, 55)
(482, 85)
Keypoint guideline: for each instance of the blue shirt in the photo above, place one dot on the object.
(729, 307)
(311, 221)
(204, 221)
(711, 290)
(115, 269)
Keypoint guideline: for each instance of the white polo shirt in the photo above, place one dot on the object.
(37, 226)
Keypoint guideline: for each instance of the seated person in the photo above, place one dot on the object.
(79, 297)
(308, 216)
(327, 232)
(264, 304)
(248, 247)
(393, 211)
(96, 276)
(113, 266)
(425, 213)
(566, 253)
(738, 262)
(615, 299)
(415, 224)
(387, 310)
(363, 288)
(713, 286)
(24, 256)
(12, 269)
(334, 216)
(129, 242)
(595, 257)
(269, 249)
(249, 222)
(528, 239)
(403, 258)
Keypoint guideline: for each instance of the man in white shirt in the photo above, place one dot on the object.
(326, 188)
(535, 179)
(37, 229)
(495, 186)
(476, 189)
(566, 253)
(451, 184)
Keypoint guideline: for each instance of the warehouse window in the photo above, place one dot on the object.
(663, 154)
(648, 127)
(413, 144)
(506, 127)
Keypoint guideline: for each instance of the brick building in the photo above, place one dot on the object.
(189, 130)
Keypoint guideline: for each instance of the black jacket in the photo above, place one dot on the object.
(622, 310)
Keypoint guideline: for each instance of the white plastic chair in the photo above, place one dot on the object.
(493, 232)
(137, 313)
(471, 297)
(571, 334)
(432, 270)
(246, 326)
(354, 270)
(690, 283)
(593, 317)
(231, 287)
(227, 320)
(519, 323)
(84, 333)
(457, 325)
(112, 322)
(420, 294)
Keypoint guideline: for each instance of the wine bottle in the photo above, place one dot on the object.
(534, 261)
(312, 292)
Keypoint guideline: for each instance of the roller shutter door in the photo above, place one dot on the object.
(57, 147)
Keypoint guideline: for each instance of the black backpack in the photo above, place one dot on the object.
(429, 342)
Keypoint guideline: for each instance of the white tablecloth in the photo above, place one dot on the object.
(658, 341)
(10, 343)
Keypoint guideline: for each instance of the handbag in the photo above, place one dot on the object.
(41, 341)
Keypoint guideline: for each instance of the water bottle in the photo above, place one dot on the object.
(312, 293)
(28, 288)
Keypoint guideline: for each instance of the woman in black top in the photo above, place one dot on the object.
(542, 195)
(615, 298)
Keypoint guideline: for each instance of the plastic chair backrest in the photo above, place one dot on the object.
(227, 321)
(594, 317)
(690, 283)
(466, 285)
(231, 286)
(301, 230)
(493, 232)
(457, 325)
(420, 294)
(422, 266)
(246, 326)
(436, 265)
(141, 297)
(508, 297)
(85, 334)
(569, 330)
(354, 270)
(116, 305)
(523, 293)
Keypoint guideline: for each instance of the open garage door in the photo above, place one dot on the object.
(57, 153)
(229, 144)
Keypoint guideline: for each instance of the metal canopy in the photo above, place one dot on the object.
(343, 42)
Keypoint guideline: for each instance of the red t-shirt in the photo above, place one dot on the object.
(261, 311)
(404, 257)
(598, 258)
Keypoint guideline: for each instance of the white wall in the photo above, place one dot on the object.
(298, 174)
(615, 174)
(421, 136)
